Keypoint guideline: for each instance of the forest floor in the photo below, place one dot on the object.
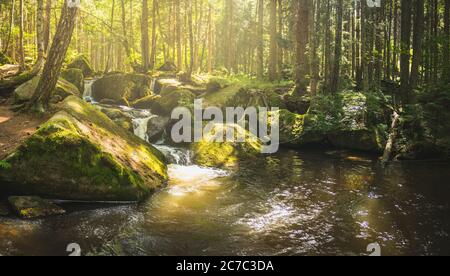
(15, 128)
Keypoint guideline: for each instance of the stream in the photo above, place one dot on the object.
(289, 203)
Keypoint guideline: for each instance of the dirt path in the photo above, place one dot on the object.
(15, 128)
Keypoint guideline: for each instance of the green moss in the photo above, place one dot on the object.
(81, 154)
(226, 154)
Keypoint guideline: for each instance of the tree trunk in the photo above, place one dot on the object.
(302, 37)
(260, 54)
(210, 39)
(405, 56)
(191, 40)
(110, 39)
(11, 27)
(126, 44)
(48, 14)
(334, 86)
(56, 55)
(145, 51)
(21, 37)
(417, 43)
(153, 53)
(273, 41)
(40, 36)
(446, 56)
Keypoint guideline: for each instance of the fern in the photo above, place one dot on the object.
(5, 165)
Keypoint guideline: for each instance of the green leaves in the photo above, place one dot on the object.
(4, 165)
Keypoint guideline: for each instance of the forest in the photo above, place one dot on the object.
(361, 90)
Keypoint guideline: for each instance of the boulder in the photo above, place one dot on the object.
(146, 102)
(75, 77)
(169, 101)
(255, 97)
(168, 66)
(156, 128)
(359, 139)
(226, 154)
(31, 207)
(25, 92)
(121, 86)
(120, 118)
(81, 154)
(295, 130)
(82, 63)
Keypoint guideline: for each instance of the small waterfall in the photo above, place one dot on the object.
(140, 126)
(176, 156)
(153, 85)
(87, 93)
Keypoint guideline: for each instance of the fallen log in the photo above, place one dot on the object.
(392, 137)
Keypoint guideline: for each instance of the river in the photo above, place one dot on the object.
(290, 203)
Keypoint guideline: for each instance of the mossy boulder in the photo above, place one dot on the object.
(31, 207)
(82, 63)
(360, 139)
(75, 77)
(121, 86)
(146, 102)
(168, 67)
(156, 128)
(81, 154)
(226, 154)
(63, 89)
(4, 59)
(120, 118)
(296, 131)
(171, 100)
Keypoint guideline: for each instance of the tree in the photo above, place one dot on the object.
(338, 47)
(260, 38)
(21, 37)
(417, 43)
(40, 39)
(52, 68)
(145, 49)
(273, 41)
(406, 8)
(302, 39)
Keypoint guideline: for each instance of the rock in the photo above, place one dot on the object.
(75, 77)
(295, 130)
(107, 101)
(213, 86)
(56, 99)
(31, 207)
(4, 210)
(299, 105)
(226, 154)
(156, 128)
(4, 59)
(81, 154)
(168, 66)
(24, 92)
(82, 63)
(169, 101)
(119, 117)
(121, 86)
(146, 102)
(360, 139)
(184, 77)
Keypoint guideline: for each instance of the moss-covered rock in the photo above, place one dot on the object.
(82, 63)
(31, 207)
(4, 59)
(121, 86)
(120, 118)
(146, 102)
(171, 100)
(226, 154)
(257, 98)
(360, 139)
(75, 77)
(63, 89)
(81, 154)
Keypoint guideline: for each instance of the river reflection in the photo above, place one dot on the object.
(293, 203)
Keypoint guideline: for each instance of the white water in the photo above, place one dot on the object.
(87, 93)
(140, 126)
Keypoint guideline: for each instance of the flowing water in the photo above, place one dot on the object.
(290, 203)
